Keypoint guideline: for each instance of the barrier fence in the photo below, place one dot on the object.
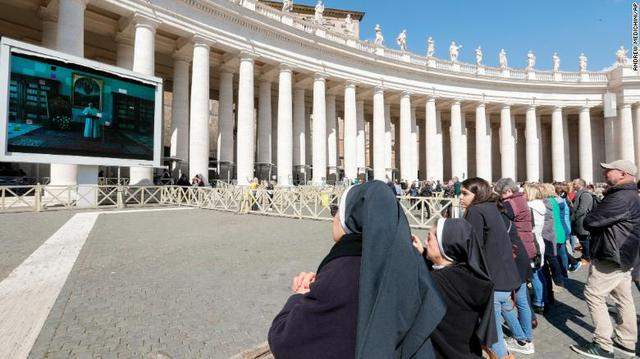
(296, 202)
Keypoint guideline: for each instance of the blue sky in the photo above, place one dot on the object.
(596, 27)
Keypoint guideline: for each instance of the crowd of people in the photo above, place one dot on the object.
(476, 284)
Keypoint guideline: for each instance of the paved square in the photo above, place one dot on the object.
(198, 284)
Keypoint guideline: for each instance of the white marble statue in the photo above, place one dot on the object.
(479, 56)
(556, 62)
(531, 60)
(431, 47)
(502, 57)
(348, 21)
(401, 40)
(379, 41)
(582, 60)
(319, 14)
(287, 5)
(621, 55)
(454, 51)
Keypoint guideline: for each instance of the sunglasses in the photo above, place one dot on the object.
(334, 209)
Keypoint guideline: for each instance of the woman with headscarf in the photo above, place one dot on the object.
(460, 273)
(372, 296)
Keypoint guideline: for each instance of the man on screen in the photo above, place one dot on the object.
(90, 115)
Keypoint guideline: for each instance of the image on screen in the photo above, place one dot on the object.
(66, 109)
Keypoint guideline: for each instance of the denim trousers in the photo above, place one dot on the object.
(519, 318)
(501, 301)
(538, 284)
(563, 259)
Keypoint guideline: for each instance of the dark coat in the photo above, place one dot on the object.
(582, 205)
(521, 258)
(321, 323)
(615, 227)
(465, 295)
(521, 218)
(488, 224)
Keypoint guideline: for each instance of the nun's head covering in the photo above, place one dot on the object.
(398, 305)
(459, 244)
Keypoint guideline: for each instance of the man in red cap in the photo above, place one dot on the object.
(615, 246)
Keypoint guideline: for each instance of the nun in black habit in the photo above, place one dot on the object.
(372, 296)
(460, 272)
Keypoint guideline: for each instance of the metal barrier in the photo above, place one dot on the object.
(294, 202)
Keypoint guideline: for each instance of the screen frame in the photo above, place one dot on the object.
(9, 46)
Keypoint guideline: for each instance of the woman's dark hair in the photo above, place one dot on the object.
(480, 188)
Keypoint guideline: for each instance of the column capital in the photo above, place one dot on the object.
(379, 89)
(506, 106)
(349, 84)
(181, 56)
(585, 108)
(248, 56)
(431, 98)
(143, 20)
(202, 41)
(124, 37)
(456, 102)
(625, 104)
(531, 107)
(320, 76)
(406, 93)
(286, 67)
(557, 108)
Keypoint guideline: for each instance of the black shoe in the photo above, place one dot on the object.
(592, 350)
(623, 350)
(538, 309)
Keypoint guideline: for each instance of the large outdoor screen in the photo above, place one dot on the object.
(60, 108)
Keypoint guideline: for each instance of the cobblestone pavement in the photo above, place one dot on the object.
(201, 284)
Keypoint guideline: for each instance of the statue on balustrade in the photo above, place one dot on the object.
(319, 14)
(431, 47)
(402, 40)
(350, 29)
(556, 62)
(287, 5)
(502, 57)
(454, 51)
(531, 60)
(379, 41)
(582, 62)
(621, 55)
(479, 56)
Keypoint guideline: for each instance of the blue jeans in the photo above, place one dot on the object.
(519, 321)
(563, 259)
(501, 300)
(538, 284)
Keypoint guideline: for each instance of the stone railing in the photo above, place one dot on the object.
(465, 69)
(300, 202)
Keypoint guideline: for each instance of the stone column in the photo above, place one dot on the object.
(124, 51)
(584, 145)
(70, 32)
(319, 132)
(264, 122)
(636, 131)
(246, 112)
(406, 148)
(350, 131)
(557, 145)
(414, 145)
(361, 138)
(458, 144)
(199, 111)
(626, 149)
(180, 111)
(49, 27)
(299, 140)
(533, 145)
(483, 143)
(144, 63)
(69, 38)
(332, 135)
(507, 143)
(434, 142)
(379, 149)
(567, 147)
(388, 140)
(285, 130)
(225, 123)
